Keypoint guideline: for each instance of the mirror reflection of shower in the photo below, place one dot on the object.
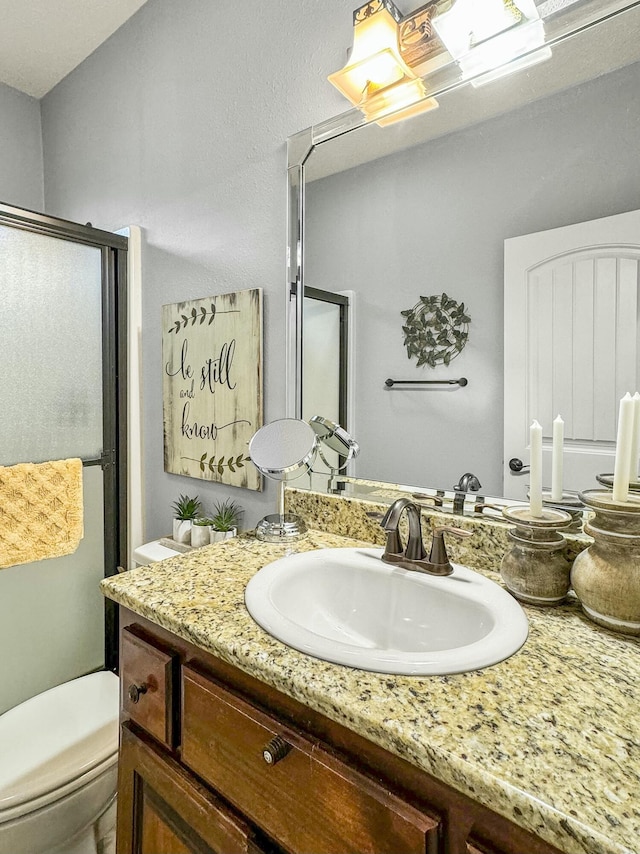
(285, 450)
(327, 370)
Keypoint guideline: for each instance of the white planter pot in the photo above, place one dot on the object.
(218, 536)
(200, 535)
(182, 531)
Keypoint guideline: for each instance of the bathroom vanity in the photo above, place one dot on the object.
(232, 741)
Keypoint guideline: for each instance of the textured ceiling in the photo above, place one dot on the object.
(41, 41)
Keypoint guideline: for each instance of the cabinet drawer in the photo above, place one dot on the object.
(147, 678)
(305, 798)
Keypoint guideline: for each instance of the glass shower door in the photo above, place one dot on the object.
(52, 394)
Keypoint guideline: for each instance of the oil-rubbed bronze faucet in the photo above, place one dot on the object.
(468, 483)
(413, 556)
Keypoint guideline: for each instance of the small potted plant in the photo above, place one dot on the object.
(185, 511)
(201, 531)
(224, 521)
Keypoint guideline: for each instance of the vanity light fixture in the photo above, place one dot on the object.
(376, 79)
(491, 38)
(391, 53)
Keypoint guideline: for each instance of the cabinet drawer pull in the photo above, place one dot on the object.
(275, 750)
(136, 691)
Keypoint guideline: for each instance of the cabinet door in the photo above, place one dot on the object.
(475, 848)
(292, 787)
(157, 831)
(163, 810)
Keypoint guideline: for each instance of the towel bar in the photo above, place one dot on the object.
(461, 382)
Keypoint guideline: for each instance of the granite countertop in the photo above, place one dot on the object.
(548, 738)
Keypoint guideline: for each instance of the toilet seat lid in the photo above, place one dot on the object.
(57, 736)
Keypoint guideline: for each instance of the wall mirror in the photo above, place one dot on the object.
(382, 216)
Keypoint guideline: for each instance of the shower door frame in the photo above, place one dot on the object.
(113, 461)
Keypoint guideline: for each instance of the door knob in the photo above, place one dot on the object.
(136, 691)
(517, 466)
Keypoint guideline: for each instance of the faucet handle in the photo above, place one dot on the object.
(439, 556)
(393, 547)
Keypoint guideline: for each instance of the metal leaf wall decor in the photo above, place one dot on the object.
(435, 330)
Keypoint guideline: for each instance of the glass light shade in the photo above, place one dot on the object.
(508, 65)
(483, 35)
(398, 102)
(375, 60)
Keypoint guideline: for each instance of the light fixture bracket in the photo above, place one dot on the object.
(362, 13)
(417, 38)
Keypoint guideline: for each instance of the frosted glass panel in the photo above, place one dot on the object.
(52, 611)
(50, 348)
(321, 375)
(321, 360)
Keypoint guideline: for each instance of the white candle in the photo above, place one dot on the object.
(535, 470)
(635, 439)
(622, 467)
(556, 458)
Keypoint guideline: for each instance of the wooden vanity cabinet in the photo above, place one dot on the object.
(229, 764)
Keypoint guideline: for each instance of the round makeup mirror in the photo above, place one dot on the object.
(283, 450)
(333, 437)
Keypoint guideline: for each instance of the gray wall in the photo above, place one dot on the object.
(433, 218)
(179, 124)
(21, 181)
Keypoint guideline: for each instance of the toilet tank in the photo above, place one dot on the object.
(151, 552)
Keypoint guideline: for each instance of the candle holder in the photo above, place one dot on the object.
(606, 575)
(607, 481)
(535, 569)
(572, 505)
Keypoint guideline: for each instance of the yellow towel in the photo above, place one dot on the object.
(40, 511)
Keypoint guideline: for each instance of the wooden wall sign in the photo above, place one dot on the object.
(212, 386)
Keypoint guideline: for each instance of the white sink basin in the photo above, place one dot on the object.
(347, 606)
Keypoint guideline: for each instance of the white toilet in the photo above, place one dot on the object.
(58, 769)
